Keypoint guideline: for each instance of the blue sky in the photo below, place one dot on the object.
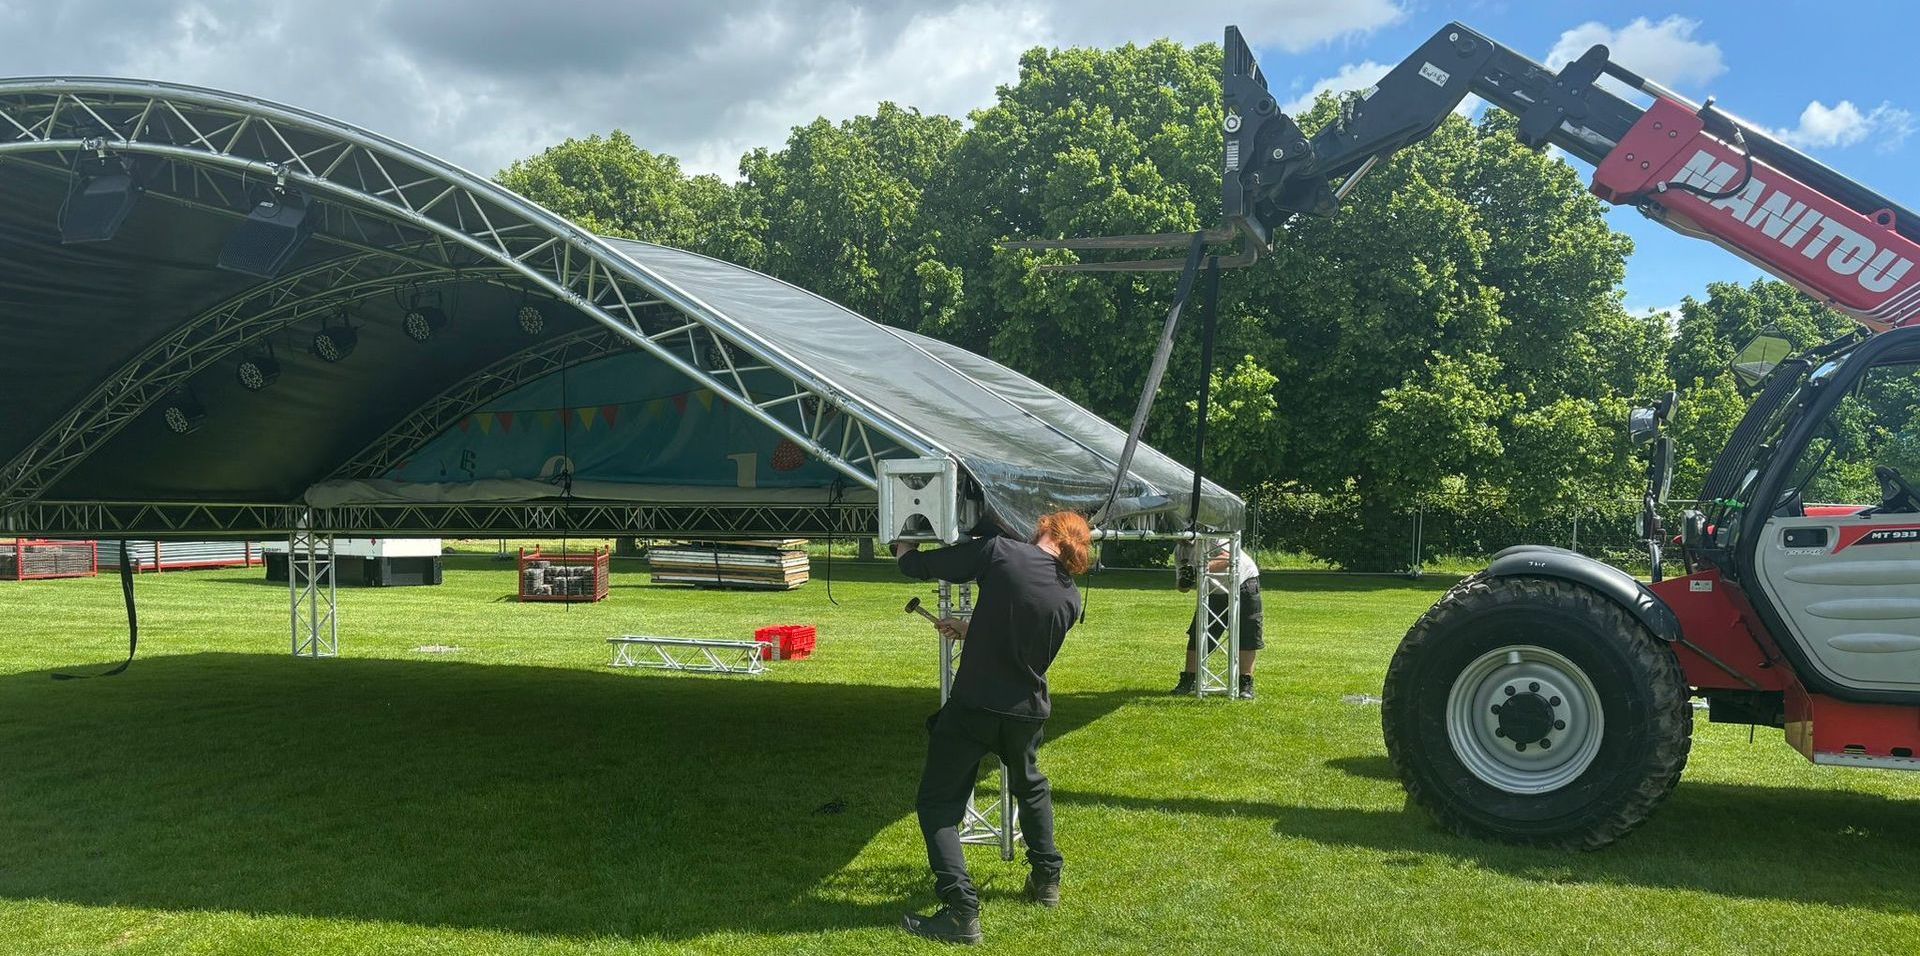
(1763, 61)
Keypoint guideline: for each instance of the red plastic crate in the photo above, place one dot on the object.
(785, 642)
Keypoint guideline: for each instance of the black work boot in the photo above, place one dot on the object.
(1185, 686)
(1246, 687)
(1044, 890)
(944, 926)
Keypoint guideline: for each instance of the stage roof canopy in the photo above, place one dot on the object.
(442, 356)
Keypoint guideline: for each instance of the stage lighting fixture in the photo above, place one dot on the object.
(532, 320)
(335, 343)
(256, 372)
(97, 203)
(183, 413)
(267, 240)
(421, 321)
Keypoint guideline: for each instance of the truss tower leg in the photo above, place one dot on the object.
(315, 601)
(990, 822)
(1219, 671)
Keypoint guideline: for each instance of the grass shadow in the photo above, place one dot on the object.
(534, 800)
(1834, 847)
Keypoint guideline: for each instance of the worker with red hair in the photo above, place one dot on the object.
(998, 705)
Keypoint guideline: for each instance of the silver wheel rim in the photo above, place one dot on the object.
(1529, 692)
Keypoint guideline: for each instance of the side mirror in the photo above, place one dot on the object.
(1663, 409)
(1760, 356)
(1642, 425)
(1660, 470)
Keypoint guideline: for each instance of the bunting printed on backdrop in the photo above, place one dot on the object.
(587, 416)
(652, 438)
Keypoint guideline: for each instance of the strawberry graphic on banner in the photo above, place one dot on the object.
(788, 456)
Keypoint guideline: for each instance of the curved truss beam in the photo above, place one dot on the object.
(446, 409)
(204, 340)
(219, 138)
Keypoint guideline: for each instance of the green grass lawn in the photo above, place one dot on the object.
(519, 796)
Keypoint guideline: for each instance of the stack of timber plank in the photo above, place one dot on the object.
(768, 565)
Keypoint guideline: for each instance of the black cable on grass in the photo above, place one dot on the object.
(133, 617)
(835, 492)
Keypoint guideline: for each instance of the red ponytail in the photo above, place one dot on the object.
(1071, 535)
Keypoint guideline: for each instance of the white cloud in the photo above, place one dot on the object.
(483, 82)
(1357, 76)
(1353, 76)
(1843, 124)
(1665, 52)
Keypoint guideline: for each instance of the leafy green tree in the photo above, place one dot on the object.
(1710, 332)
(1455, 335)
(612, 187)
(837, 211)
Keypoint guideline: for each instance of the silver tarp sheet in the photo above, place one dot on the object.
(1028, 448)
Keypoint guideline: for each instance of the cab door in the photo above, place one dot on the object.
(1844, 572)
(1849, 589)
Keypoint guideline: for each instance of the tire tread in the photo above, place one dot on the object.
(1671, 734)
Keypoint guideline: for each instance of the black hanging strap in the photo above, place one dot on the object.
(133, 620)
(834, 493)
(1155, 371)
(1209, 321)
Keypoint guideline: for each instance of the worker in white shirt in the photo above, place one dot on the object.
(1252, 638)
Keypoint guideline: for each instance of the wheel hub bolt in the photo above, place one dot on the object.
(1511, 691)
(1553, 701)
(1534, 686)
(1559, 725)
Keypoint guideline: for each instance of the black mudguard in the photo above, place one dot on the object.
(1544, 561)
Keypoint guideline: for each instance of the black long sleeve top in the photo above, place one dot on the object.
(1026, 603)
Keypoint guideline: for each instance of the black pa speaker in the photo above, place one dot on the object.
(95, 210)
(272, 233)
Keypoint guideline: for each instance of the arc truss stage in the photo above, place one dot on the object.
(227, 317)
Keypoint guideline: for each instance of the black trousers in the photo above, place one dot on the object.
(961, 738)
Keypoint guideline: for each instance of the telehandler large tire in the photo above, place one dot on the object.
(1535, 711)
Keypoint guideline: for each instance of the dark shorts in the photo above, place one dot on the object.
(1252, 621)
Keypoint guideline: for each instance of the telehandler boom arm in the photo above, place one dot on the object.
(1695, 168)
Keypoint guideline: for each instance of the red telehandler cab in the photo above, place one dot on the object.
(1548, 699)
